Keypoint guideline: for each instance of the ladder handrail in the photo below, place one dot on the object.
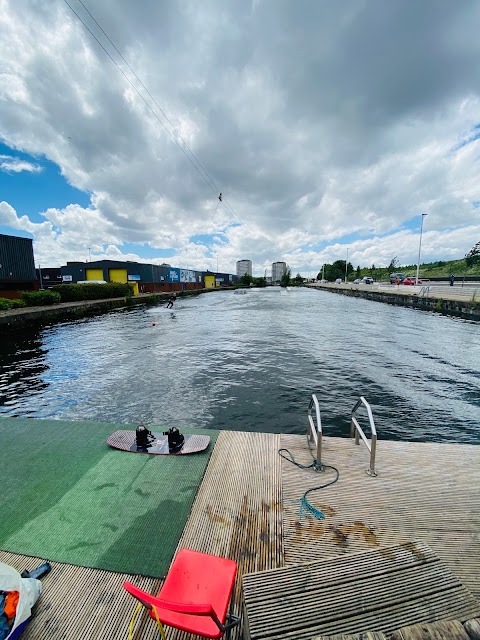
(356, 430)
(315, 432)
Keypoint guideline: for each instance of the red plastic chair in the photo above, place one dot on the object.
(195, 594)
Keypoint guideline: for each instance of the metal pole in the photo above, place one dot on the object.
(346, 267)
(40, 273)
(419, 248)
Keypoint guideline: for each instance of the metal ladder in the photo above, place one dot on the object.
(357, 432)
(314, 430)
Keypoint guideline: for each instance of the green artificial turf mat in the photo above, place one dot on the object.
(67, 496)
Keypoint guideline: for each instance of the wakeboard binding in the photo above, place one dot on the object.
(144, 437)
(176, 439)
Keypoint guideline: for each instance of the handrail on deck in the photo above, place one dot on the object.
(315, 431)
(424, 291)
(357, 431)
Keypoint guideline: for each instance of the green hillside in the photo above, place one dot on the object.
(437, 269)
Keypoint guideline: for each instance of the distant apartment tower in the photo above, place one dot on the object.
(244, 267)
(278, 269)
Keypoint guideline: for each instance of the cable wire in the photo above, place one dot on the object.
(198, 167)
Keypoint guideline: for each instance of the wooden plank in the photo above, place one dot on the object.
(80, 602)
(316, 601)
(443, 630)
(238, 509)
(370, 635)
(423, 491)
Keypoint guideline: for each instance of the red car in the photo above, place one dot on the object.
(412, 281)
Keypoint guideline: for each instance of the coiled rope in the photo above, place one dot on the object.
(305, 506)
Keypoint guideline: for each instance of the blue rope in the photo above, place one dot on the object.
(306, 508)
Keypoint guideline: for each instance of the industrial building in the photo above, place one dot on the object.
(145, 278)
(17, 266)
(48, 277)
(244, 267)
(278, 270)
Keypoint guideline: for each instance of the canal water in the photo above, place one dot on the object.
(251, 362)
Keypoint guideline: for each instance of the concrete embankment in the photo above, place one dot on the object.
(81, 309)
(457, 304)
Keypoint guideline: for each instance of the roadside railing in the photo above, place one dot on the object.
(357, 432)
(314, 430)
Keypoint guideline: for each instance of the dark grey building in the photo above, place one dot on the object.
(17, 265)
(149, 278)
(48, 276)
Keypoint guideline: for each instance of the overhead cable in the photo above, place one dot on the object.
(197, 165)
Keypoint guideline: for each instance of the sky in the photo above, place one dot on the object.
(329, 128)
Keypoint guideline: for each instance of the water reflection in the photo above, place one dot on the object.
(251, 363)
(22, 366)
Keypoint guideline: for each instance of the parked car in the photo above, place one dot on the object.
(397, 276)
(338, 281)
(411, 280)
(357, 281)
(367, 280)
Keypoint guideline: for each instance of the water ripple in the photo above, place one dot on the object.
(251, 363)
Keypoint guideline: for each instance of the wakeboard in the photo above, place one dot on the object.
(126, 441)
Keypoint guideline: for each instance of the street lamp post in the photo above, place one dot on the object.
(419, 247)
(346, 267)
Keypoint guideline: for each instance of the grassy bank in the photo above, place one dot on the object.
(439, 269)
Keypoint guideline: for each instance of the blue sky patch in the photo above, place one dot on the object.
(31, 193)
(145, 251)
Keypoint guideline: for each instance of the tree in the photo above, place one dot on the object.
(260, 282)
(337, 270)
(298, 279)
(358, 272)
(246, 280)
(473, 256)
(285, 280)
(394, 264)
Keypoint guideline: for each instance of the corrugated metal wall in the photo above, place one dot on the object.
(16, 258)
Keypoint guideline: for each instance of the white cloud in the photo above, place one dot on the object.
(10, 164)
(324, 128)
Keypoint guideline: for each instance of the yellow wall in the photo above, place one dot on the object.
(94, 274)
(209, 282)
(135, 287)
(117, 275)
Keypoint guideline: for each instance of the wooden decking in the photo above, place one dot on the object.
(378, 590)
(423, 491)
(247, 508)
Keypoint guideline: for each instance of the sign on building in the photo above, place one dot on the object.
(187, 276)
(174, 275)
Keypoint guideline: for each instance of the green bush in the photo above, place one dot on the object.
(74, 292)
(16, 304)
(5, 304)
(40, 298)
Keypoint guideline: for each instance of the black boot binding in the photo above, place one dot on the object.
(144, 437)
(176, 440)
